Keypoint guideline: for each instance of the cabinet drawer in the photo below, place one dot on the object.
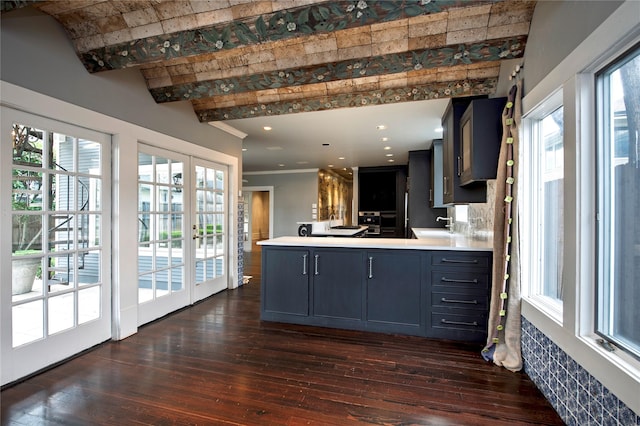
(460, 301)
(460, 259)
(451, 320)
(450, 279)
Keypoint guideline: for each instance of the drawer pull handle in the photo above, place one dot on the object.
(469, 302)
(449, 280)
(473, 324)
(370, 267)
(315, 265)
(304, 264)
(445, 260)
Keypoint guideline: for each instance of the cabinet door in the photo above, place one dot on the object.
(394, 288)
(337, 283)
(285, 281)
(452, 191)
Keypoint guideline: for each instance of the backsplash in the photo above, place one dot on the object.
(577, 396)
(479, 216)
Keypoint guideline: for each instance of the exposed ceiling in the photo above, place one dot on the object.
(315, 71)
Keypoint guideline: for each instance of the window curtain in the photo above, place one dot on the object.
(503, 341)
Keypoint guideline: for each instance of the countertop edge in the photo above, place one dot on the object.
(456, 243)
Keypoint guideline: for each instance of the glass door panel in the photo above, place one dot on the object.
(161, 233)
(209, 228)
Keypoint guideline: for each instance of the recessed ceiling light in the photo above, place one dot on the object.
(244, 149)
(387, 148)
(384, 139)
(381, 127)
(266, 128)
(388, 155)
(302, 162)
(438, 129)
(329, 165)
(340, 158)
(281, 165)
(390, 160)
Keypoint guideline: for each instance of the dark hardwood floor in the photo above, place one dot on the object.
(216, 363)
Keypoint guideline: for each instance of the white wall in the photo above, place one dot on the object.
(557, 28)
(294, 192)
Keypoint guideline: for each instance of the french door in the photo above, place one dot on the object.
(210, 235)
(55, 245)
(182, 232)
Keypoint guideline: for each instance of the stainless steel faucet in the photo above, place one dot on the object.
(449, 221)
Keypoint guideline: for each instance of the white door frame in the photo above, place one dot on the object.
(270, 190)
(20, 361)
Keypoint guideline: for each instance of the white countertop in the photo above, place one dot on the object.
(428, 239)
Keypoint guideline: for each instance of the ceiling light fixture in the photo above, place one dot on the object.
(391, 160)
(387, 148)
(266, 128)
(388, 155)
(381, 127)
(329, 165)
(280, 165)
(384, 139)
(340, 158)
(244, 149)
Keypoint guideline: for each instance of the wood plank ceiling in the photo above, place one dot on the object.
(240, 58)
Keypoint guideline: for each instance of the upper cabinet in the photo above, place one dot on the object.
(480, 136)
(435, 188)
(452, 191)
(420, 212)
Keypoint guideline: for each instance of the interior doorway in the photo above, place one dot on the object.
(258, 223)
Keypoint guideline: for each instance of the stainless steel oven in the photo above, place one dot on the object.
(372, 221)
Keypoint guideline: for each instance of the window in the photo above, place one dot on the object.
(543, 200)
(618, 195)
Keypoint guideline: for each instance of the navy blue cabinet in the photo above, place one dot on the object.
(441, 294)
(480, 138)
(394, 290)
(337, 284)
(459, 295)
(288, 269)
(452, 191)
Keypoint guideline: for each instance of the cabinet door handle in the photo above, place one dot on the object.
(469, 302)
(445, 188)
(430, 194)
(459, 165)
(315, 271)
(370, 267)
(473, 324)
(449, 280)
(304, 264)
(445, 260)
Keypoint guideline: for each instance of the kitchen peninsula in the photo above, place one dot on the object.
(436, 285)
